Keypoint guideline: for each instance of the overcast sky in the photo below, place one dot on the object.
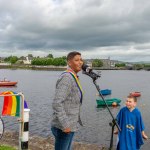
(119, 29)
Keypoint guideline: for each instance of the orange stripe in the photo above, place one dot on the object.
(5, 93)
(9, 107)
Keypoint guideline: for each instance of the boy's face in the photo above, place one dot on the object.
(130, 103)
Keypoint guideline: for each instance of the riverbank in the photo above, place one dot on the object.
(40, 143)
(34, 67)
(62, 68)
(51, 68)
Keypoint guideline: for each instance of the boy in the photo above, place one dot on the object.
(132, 127)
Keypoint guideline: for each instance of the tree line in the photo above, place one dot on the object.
(62, 61)
(46, 61)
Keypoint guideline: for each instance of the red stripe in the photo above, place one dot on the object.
(7, 105)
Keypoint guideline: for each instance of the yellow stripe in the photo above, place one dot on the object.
(78, 82)
(14, 105)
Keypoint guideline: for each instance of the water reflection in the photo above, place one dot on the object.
(10, 87)
(39, 87)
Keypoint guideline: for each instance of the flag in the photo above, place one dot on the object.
(11, 105)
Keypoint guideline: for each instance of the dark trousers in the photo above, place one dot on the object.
(63, 141)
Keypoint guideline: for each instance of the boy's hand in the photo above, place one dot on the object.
(144, 135)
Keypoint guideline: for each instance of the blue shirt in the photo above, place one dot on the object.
(131, 124)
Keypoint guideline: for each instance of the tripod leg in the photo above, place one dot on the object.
(111, 140)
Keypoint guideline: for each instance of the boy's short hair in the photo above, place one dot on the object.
(71, 55)
(132, 97)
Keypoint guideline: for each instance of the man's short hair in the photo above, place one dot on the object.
(132, 97)
(71, 55)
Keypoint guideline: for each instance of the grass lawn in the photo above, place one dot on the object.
(3, 147)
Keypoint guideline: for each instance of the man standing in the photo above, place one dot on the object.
(66, 103)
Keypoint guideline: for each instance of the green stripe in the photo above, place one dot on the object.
(18, 106)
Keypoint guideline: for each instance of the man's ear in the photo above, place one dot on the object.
(69, 63)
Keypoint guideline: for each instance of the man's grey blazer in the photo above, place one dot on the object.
(66, 104)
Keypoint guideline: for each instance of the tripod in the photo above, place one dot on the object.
(114, 123)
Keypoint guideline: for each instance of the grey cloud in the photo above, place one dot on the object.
(87, 25)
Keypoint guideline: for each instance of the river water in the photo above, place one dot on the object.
(38, 88)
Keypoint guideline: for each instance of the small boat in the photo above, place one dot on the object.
(105, 92)
(110, 102)
(8, 83)
(135, 94)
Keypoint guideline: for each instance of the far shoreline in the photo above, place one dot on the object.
(50, 68)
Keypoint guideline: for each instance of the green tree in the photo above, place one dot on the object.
(97, 63)
(146, 65)
(59, 62)
(50, 56)
(13, 59)
(138, 66)
(49, 61)
(30, 55)
(36, 61)
(64, 57)
(120, 65)
(7, 59)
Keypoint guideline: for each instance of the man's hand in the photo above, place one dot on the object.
(67, 130)
(116, 132)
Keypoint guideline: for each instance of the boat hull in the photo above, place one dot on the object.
(135, 94)
(105, 92)
(110, 102)
(7, 83)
